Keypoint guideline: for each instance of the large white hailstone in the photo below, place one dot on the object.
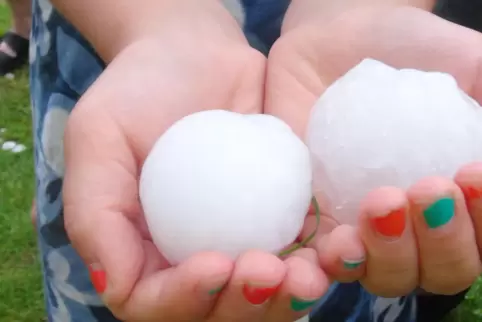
(379, 126)
(226, 182)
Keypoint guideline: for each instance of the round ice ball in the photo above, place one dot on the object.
(227, 182)
(379, 126)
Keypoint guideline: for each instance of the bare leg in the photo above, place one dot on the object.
(21, 21)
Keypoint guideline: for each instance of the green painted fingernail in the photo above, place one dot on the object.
(216, 290)
(300, 305)
(440, 213)
(351, 264)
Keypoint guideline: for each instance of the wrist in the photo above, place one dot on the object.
(301, 11)
(199, 24)
(111, 25)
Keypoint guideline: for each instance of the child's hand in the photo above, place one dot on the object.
(150, 85)
(441, 257)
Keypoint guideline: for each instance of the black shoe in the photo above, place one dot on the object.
(20, 46)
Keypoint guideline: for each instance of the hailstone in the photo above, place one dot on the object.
(227, 182)
(380, 126)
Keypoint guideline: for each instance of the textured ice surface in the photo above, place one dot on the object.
(379, 126)
(221, 181)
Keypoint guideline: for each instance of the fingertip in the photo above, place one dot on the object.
(210, 271)
(445, 235)
(257, 267)
(469, 171)
(383, 214)
(436, 202)
(469, 179)
(383, 200)
(305, 280)
(120, 257)
(386, 231)
(308, 254)
(342, 254)
(425, 191)
(256, 278)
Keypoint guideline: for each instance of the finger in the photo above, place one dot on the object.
(447, 247)
(255, 280)
(469, 179)
(310, 255)
(342, 254)
(196, 283)
(99, 201)
(101, 215)
(157, 292)
(307, 254)
(302, 287)
(392, 256)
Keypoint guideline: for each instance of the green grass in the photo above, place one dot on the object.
(21, 298)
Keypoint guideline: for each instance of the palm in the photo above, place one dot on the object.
(141, 93)
(307, 60)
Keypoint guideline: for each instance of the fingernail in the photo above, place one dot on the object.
(352, 264)
(472, 193)
(258, 295)
(440, 212)
(216, 290)
(298, 305)
(391, 225)
(98, 278)
(311, 209)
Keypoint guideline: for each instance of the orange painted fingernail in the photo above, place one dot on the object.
(98, 278)
(391, 225)
(258, 295)
(472, 193)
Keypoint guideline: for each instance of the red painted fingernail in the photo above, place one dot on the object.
(258, 295)
(98, 278)
(472, 193)
(312, 210)
(391, 225)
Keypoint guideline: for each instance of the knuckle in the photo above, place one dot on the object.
(394, 290)
(390, 280)
(450, 276)
(348, 277)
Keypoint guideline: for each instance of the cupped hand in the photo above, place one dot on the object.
(146, 88)
(429, 236)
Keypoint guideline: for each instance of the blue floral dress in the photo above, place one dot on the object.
(63, 66)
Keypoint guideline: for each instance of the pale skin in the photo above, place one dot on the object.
(203, 55)
(21, 21)
(304, 62)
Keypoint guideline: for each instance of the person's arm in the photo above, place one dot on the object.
(303, 10)
(112, 25)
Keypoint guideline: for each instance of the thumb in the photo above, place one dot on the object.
(100, 205)
(104, 221)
